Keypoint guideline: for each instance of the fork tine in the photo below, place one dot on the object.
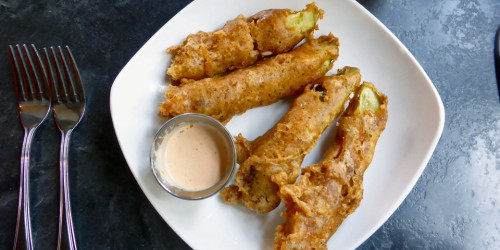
(33, 78)
(40, 74)
(26, 72)
(68, 74)
(51, 77)
(77, 81)
(18, 77)
(59, 79)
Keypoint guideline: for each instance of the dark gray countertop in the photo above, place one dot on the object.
(455, 204)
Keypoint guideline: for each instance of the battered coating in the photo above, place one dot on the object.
(263, 84)
(208, 54)
(331, 190)
(274, 159)
(241, 42)
(277, 31)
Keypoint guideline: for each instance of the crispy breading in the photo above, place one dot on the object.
(272, 34)
(208, 54)
(263, 84)
(274, 159)
(331, 190)
(240, 43)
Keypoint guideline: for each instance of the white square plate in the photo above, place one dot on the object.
(416, 118)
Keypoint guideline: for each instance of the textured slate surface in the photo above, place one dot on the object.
(455, 204)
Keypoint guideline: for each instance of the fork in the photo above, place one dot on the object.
(68, 104)
(33, 98)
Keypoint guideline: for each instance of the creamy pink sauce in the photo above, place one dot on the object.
(193, 156)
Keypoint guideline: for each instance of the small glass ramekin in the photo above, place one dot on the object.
(163, 134)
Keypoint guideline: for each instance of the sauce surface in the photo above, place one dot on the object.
(193, 156)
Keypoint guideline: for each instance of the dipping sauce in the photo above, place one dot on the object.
(193, 156)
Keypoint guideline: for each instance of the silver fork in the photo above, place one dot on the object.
(34, 104)
(68, 104)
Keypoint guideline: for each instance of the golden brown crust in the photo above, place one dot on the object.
(243, 148)
(274, 159)
(263, 84)
(239, 44)
(331, 190)
(271, 34)
(208, 54)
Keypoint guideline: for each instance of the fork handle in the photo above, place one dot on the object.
(66, 236)
(23, 238)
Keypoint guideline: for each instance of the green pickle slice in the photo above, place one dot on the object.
(368, 100)
(303, 20)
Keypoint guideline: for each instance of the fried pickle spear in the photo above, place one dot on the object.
(331, 190)
(277, 31)
(274, 159)
(263, 84)
(241, 42)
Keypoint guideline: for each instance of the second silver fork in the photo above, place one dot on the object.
(34, 105)
(68, 104)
